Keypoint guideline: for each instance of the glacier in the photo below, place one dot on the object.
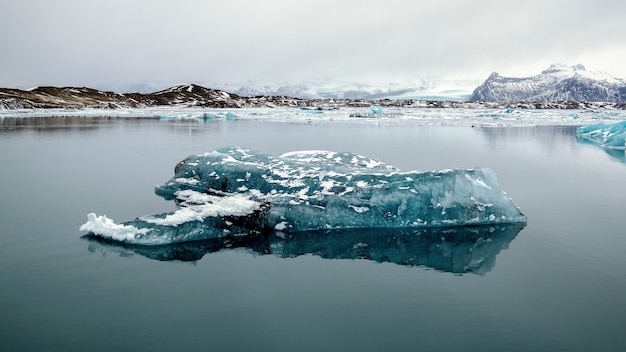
(235, 191)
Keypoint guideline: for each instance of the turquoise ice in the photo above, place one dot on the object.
(606, 135)
(237, 191)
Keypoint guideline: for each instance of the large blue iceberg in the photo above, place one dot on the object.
(235, 192)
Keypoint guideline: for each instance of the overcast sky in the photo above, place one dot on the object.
(118, 43)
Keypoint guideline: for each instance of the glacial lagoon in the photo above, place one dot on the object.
(556, 283)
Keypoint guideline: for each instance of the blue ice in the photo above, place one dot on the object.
(609, 136)
(376, 109)
(237, 191)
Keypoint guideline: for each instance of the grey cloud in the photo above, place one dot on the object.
(128, 42)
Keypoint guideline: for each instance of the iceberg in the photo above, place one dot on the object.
(240, 192)
(611, 137)
(376, 109)
(607, 136)
(458, 250)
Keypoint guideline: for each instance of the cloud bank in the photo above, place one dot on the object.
(122, 43)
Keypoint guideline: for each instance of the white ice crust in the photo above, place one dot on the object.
(197, 206)
(107, 228)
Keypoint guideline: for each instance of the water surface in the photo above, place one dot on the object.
(558, 284)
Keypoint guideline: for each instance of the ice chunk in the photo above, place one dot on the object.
(376, 109)
(608, 136)
(109, 229)
(236, 191)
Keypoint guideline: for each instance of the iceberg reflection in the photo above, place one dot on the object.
(470, 249)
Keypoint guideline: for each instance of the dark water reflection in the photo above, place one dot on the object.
(54, 124)
(550, 138)
(455, 249)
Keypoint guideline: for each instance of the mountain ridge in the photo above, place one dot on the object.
(192, 95)
(556, 83)
(182, 95)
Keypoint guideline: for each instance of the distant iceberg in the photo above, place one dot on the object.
(237, 192)
(608, 136)
(376, 109)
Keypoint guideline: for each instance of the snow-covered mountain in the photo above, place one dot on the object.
(192, 95)
(556, 83)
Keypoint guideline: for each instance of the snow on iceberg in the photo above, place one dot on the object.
(235, 191)
(608, 136)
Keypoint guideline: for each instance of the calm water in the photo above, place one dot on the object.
(559, 284)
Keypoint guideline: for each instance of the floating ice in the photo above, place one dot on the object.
(376, 109)
(236, 191)
(418, 113)
(609, 136)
